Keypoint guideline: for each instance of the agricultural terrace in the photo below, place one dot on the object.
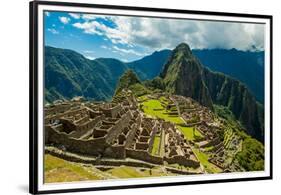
(154, 108)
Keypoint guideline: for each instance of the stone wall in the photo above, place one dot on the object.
(115, 151)
(213, 142)
(131, 135)
(90, 147)
(152, 136)
(111, 112)
(57, 109)
(82, 129)
(181, 172)
(181, 160)
(60, 115)
(141, 145)
(114, 132)
(143, 155)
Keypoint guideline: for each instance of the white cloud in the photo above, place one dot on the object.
(64, 20)
(104, 47)
(94, 16)
(90, 57)
(88, 16)
(127, 51)
(157, 33)
(89, 27)
(124, 60)
(47, 14)
(52, 30)
(74, 15)
(97, 28)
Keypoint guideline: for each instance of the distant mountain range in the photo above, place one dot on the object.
(246, 66)
(150, 66)
(68, 73)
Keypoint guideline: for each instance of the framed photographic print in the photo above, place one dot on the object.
(129, 97)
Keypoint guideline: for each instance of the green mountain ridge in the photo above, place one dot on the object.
(69, 74)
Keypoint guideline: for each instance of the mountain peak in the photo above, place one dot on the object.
(126, 80)
(183, 47)
(181, 56)
(182, 75)
(130, 81)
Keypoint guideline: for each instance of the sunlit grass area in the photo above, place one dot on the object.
(156, 145)
(125, 172)
(59, 170)
(203, 158)
(132, 172)
(154, 108)
(190, 133)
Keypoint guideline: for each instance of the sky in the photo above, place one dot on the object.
(130, 38)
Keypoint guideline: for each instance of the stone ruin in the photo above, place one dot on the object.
(208, 125)
(115, 130)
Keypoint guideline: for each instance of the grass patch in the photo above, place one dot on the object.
(125, 172)
(155, 109)
(156, 145)
(132, 172)
(209, 148)
(203, 158)
(188, 133)
(59, 170)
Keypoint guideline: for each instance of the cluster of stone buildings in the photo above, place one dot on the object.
(116, 130)
(207, 124)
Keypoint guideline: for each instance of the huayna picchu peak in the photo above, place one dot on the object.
(183, 47)
(183, 75)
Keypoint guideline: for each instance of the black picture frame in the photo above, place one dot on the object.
(33, 94)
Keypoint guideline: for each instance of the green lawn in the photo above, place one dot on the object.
(155, 109)
(203, 158)
(131, 172)
(156, 145)
(188, 132)
(59, 170)
(125, 172)
(209, 148)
